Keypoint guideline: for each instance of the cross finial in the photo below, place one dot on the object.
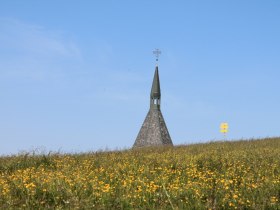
(157, 52)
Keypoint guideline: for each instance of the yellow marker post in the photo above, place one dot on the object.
(224, 129)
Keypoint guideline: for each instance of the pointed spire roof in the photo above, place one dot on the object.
(155, 91)
(154, 131)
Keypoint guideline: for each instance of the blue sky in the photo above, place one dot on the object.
(75, 76)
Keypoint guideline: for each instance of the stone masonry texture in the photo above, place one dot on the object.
(153, 131)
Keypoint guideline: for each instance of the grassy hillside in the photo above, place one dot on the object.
(218, 175)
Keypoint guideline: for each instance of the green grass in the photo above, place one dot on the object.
(215, 175)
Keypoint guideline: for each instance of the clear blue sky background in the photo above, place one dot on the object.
(76, 75)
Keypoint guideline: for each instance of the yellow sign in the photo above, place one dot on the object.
(224, 128)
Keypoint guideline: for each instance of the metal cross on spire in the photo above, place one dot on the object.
(157, 52)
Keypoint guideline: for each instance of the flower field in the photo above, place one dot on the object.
(217, 175)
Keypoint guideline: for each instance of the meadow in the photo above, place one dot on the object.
(214, 175)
